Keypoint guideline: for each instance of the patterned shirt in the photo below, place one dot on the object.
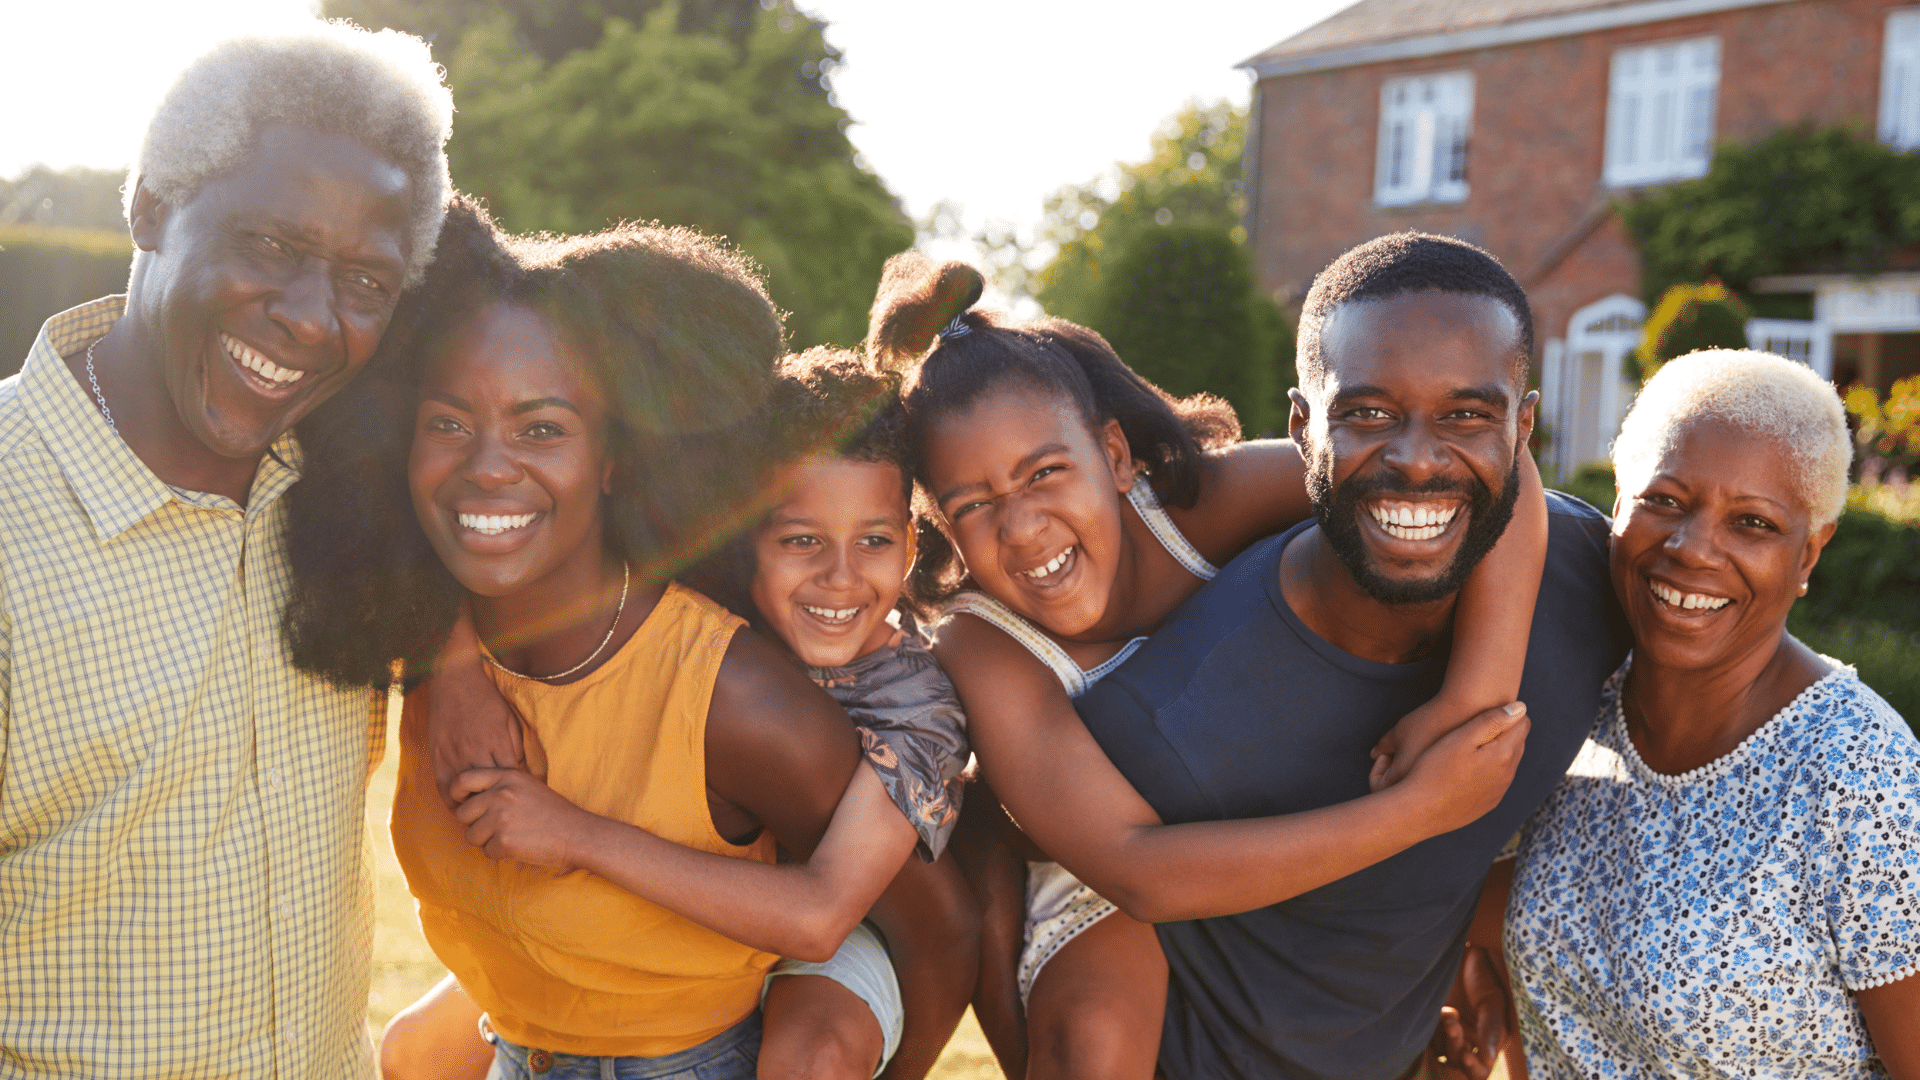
(183, 884)
(912, 729)
(1714, 922)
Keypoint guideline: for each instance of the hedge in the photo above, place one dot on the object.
(44, 271)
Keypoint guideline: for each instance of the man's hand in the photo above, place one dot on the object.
(469, 724)
(511, 815)
(1467, 773)
(1460, 1052)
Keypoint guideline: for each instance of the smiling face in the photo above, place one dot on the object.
(509, 462)
(830, 560)
(1031, 497)
(271, 286)
(1412, 441)
(1709, 554)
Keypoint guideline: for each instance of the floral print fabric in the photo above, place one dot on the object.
(1713, 923)
(912, 729)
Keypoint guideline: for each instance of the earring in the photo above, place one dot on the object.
(1803, 588)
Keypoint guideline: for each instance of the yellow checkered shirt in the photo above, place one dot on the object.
(184, 888)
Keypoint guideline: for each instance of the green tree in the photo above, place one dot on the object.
(1689, 318)
(1799, 200)
(723, 122)
(1178, 304)
(1191, 178)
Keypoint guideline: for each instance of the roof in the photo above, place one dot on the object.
(1374, 30)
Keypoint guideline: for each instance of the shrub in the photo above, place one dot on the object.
(1888, 657)
(1179, 306)
(1798, 200)
(1592, 482)
(44, 271)
(1869, 570)
(1690, 318)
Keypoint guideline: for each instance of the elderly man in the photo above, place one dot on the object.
(1264, 692)
(182, 889)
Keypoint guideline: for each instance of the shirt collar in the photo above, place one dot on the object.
(114, 486)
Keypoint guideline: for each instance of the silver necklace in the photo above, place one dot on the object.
(626, 577)
(97, 395)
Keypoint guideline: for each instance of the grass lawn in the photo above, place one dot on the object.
(403, 966)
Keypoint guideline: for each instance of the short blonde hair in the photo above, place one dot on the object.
(383, 89)
(1764, 395)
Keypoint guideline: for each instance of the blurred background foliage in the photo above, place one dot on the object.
(717, 114)
(1689, 318)
(1153, 256)
(63, 242)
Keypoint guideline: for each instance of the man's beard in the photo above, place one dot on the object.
(1339, 510)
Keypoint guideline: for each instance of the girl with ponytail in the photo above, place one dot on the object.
(1069, 506)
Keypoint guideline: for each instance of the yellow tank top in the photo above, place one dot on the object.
(571, 962)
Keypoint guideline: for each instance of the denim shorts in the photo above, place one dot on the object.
(731, 1055)
(862, 965)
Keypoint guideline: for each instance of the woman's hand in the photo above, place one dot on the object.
(511, 815)
(1478, 1000)
(1466, 774)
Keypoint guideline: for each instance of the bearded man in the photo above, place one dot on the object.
(182, 889)
(1265, 691)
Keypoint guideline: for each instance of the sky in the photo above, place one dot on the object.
(992, 104)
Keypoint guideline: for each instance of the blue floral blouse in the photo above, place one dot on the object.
(1714, 922)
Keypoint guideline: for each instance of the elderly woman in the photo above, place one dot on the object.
(1727, 883)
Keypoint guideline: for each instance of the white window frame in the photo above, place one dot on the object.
(1808, 341)
(1426, 124)
(1900, 81)
(1662, 103)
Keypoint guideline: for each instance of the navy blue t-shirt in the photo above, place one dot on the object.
(1235, 709)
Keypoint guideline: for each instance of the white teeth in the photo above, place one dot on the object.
(1688, 601)
(258, 364)
(1057, 562)
(833, 614)
(1413, 521)
(495, 524)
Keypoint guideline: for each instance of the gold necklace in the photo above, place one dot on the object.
(626, 577)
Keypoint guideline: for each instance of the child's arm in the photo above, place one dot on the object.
(1067, 795)
(1490, 628)
(803, 910)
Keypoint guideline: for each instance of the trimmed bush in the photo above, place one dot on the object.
(1179, 306)
(44, 271)
(1887, 657)
(1690, 318)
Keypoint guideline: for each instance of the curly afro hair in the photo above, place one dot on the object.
(675, 327)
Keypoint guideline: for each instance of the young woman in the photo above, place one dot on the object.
(544, 381)
(1084, 505)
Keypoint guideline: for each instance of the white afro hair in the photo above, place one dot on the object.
(1765, 395)
(333, 77)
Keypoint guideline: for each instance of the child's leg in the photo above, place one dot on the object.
(1096, 1008)
(816, 1029)
(839, 1020)
(996, 871)
(436, 1038)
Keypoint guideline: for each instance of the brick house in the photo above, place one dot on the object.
(1516, 123)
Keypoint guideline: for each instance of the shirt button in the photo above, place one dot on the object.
(286, 909)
